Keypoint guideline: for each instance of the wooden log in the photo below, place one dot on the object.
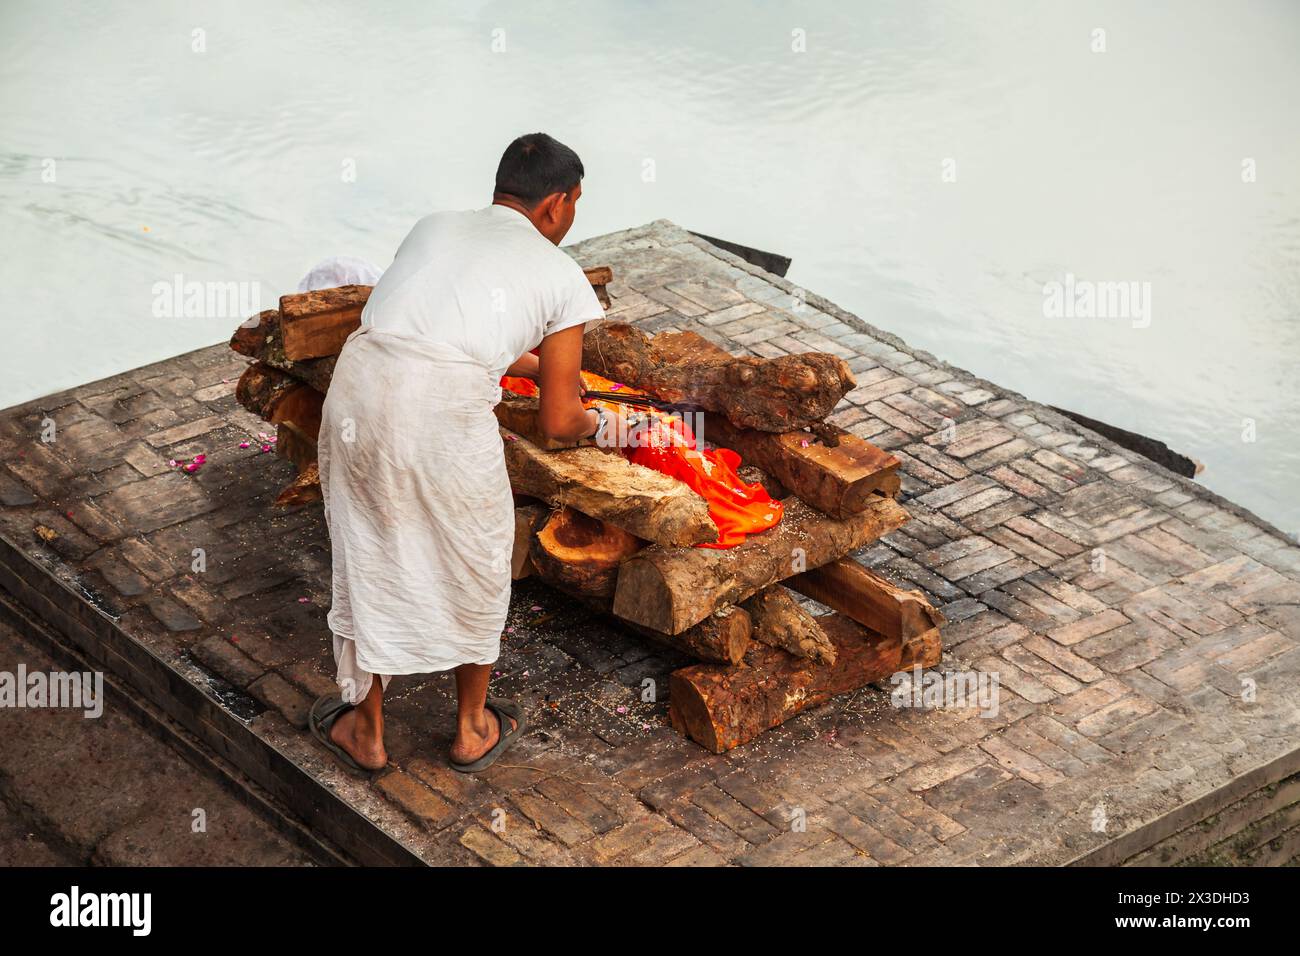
(303, 490)
(838, 480)
(723, 637)
(723, 706)
(518, 413)
(261, 338)
(316, 324)
(261, 389)
(527, 517)
(599, 277)
(922, 650)
(607, 486)
(669, 589)
(874, 602)
(779, 621)
(833, 470)
(293, 443)
(250, 338)
(774, 395)
(277, 397)
(579, 553)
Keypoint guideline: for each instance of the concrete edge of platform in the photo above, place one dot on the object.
(124, 699)
(96, 636)
(1131, 844)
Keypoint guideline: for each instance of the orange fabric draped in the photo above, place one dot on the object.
(665, 443)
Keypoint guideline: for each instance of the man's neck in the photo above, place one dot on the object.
(510, 202)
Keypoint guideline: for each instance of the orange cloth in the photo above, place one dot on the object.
(666, 444)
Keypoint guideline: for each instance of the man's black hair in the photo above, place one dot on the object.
(534, 166)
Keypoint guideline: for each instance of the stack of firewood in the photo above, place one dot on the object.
(620, 537)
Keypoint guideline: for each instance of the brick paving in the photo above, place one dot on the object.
(1144, 632)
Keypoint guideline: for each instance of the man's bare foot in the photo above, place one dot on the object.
(366, 748)
(469, 744)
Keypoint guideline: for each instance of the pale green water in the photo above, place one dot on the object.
(1115, 166)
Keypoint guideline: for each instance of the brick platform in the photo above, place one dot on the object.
(1144, 631)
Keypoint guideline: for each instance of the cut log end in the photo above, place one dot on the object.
(580, 554)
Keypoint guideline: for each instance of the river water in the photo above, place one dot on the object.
(931, 166)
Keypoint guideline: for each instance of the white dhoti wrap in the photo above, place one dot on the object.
(419, 510)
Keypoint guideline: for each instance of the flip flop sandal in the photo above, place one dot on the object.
(328, 709)
(505, 710)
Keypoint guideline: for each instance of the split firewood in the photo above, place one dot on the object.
(871, 600)
(773, 395)
(600, 277)
(527, 517)
(261, 389)
(644, 503)
(837, 479)
(669, 589)
(580, 554)
(922, 650)
(303, 490)
(721, 706)
(295, 445)
(316, 324)
(779, 621)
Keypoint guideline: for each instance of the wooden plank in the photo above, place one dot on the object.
(669, 589)
(858, 592)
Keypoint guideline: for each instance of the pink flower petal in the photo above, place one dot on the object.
(244, 444)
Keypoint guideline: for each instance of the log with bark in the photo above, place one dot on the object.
(779, 621)
(721, 706)
(580, 554)
(669, 589)
(316, 324)
(303, 490)
(774, 395)
(260, 338)
(262, 389)
(833, 470)
(295, 445)
(645, 503)
(722, 637)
